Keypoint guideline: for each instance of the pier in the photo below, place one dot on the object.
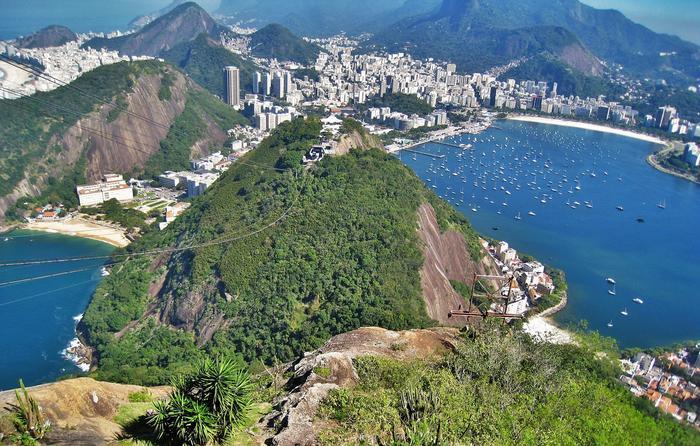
(431, 155)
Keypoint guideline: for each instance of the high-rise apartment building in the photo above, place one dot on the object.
(232, 86)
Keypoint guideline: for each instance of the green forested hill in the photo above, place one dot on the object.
(276, 41)
(204, 60)
(347, 255)
(33, 149)
(497, 387)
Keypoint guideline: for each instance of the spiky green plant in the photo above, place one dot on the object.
(206, 405)
(183, 421)
(224, 387)
(28, 417)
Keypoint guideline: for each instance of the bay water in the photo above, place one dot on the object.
(573, 181)
(38, 317)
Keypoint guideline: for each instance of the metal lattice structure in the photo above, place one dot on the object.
(482, 290)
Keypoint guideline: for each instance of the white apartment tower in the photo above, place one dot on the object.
(232, 86)
(257, 80)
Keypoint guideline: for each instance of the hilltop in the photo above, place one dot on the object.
(53, 35)
(130, 117)
(182, 24)
(347, 248)
(323, 18)
(276, 41)
(497, 31)
(204, 59)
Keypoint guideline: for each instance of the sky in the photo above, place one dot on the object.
(678, 17)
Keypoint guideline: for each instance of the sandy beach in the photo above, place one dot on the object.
(542, 329)
(82, 228)
(589, 126)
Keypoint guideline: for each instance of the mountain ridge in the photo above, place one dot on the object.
(182, 24)
(606, 33)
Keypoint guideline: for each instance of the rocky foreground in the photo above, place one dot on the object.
(86, 412)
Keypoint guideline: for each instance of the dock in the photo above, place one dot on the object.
(431, 155)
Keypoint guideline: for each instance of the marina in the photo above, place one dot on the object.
(573, 198)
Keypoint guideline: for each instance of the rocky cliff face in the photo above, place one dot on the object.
(446, 258)
(291, 422)
(118, 138)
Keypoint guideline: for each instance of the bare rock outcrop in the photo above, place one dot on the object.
(291, 423)
(447, 258)
(81, 410)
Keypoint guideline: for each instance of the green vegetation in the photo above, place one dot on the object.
(310, 73)
(142, 396)
(497, 387)
(206, 407)
(27, 417)
(414, 134)
(113, 211)
(560, 290)
(569, 80)
(677, 163)
(204, 60)
(402, 103)
(188, 128)
(277, 42)
(347, 255)
(28, 124)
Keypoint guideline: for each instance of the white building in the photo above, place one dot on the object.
(691, 155)
(232, 82)
(198, 183)
(112, 186)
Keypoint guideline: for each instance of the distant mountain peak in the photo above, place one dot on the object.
(184, 23)
(50, 36)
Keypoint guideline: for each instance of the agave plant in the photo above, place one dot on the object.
(28, 417)
(182, 421)
(205, 406)
(224, 387)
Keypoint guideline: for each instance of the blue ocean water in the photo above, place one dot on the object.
(23, 17)
(656, 260)
(37, 317)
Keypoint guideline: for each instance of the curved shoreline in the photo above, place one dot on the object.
(653, 162)
(588, 126)
(82, 228)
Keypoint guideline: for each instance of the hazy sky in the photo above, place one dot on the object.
(678, 17)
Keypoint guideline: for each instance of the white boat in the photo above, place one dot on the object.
(638, 300)
(6, 239)
(612, 291)
(473, 209)
(620, 208)
(610, 280)
(610, 324)
(662, 205)
(531, 214)
(518, 217)
(104, 272)
(624, 312)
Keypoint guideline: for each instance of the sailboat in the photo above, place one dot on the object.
(612, 291)
(610, 324)
(662, 204)
(624, 312)
(518, 217)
